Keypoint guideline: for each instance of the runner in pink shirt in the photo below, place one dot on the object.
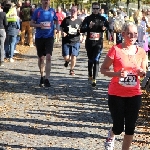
(60, 17)
(124, 93)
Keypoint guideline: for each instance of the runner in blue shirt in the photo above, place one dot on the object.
(43, 20)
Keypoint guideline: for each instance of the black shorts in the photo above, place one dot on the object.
(44, 46)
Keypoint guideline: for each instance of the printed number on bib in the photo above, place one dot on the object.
(72, 31)
(129, 81)
(94, 36)
(46, 25)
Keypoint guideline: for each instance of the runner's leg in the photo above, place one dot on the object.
(41, 65)
(48, 66)
(73, 62)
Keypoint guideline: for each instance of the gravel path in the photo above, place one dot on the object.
(70, 115)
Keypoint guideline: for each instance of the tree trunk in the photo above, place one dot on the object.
(139, 4)
(108, 4)
(128, 1)
(76, 2)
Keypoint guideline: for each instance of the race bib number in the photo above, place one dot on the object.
(72, 31)
(129, 81)
(46, 25)
(94, 36)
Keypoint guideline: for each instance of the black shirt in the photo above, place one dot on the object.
(71, 28)
(28, 13)
(99, 21)
(3, 20)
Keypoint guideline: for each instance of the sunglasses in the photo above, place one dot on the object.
(72, 10)
(95, 8)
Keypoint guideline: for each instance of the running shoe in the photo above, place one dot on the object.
(66, 64)
(11, 60)
(72, 72)
(46, 83)
(42, 82)
(109, 144)
(93, 83)
(32, 45)
(15, 51)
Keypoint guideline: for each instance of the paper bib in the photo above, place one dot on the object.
(94, 36)
(129, 81)
(46, 25)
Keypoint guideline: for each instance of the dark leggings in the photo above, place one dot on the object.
(124, 110)
(93, 66)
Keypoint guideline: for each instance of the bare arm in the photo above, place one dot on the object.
(144, 64)
(142, 71)
(115, 38)
(105, 68)
(62, 28)
(62, 32)
(33, 24)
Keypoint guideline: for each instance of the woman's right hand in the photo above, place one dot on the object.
(122, 73)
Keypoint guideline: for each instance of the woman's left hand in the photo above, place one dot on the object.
(141, 73)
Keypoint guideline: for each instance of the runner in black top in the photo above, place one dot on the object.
(94, 25)
(70, 27)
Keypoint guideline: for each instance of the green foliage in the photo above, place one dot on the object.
(55, 3)
(113, 1)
